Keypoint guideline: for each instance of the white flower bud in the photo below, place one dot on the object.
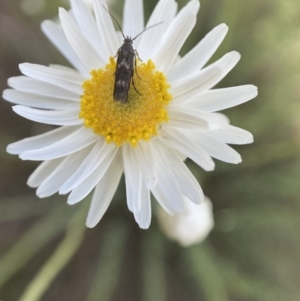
(189, 227)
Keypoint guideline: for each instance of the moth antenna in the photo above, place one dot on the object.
(147, 29)
(115, 21)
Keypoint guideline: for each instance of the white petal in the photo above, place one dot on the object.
(87, 24)
(216, 72)
(195, 84)
(161, 199)
(86, 186)
(84, 50)
(215, 148)
(68, 145)
(170, 14)
(226, 63)
(64, 68)
(133, 18)
(164, 11)
(42, 172)
(69, 117)
(205, 119)
(221, 99)
(97, 155)
(42, 140)
(104, 192)
(231, 134)
(55, 34)
(63, 171)
(38, 101)
(175, 36)
(147, 163)
(143, 217)
(191, 6)
(107, 31)
(64, 79)
(184, 120)
(133, 179)
(34, 86)
(216, 120)
(188, 185)
(200, 54)
(178, 140)
(167, 181)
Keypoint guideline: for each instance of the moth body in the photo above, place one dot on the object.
(124, 70)
(126, 64)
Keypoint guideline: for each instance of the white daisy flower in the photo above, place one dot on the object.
(190, 226)
(171, 118)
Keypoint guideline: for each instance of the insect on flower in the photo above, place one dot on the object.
(126, 65)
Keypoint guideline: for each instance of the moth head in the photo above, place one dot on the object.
(128, 40)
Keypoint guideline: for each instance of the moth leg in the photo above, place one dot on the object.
(137, 54)
(135, 87)
(117, 52)
(135, 70)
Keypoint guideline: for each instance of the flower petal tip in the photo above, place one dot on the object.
(42, 194)
(235, 55)
(91, 224)
(254, 89)
(44, 24)
(17, 108)
(23, 157)
(23, 66)
(4, 93)
(144, 226)
(71, 201)
(195, 4)
(63, 192)
(211, 167)
(31, 185)
(238, 161)
(249, 139)
(61, 10)
(223, 26)
(10, 150)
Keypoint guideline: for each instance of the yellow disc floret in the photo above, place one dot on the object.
(137, 119)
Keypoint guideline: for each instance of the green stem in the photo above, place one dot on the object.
(154, 288)
(30, 243)
(60, 258)
(109, 265)
(256, 288)
(203, 267)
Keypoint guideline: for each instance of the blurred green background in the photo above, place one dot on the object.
(253, 254)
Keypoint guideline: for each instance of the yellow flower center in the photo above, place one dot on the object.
(137, 119)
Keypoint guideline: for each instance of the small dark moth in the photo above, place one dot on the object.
(126, 65)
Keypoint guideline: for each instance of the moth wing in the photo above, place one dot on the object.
(123, 75)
